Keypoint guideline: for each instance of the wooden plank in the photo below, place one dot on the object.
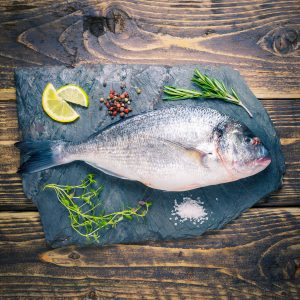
(8, 94)
(256, 256)
(259, 39)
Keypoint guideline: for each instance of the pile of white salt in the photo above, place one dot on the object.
(189, 210)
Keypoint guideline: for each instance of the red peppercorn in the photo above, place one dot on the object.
(126, 110)
(118, 105)
(111, 108)
(114, 113)
(122, 115)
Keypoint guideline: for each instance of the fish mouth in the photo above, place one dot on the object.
(264, 157)
(263, 161)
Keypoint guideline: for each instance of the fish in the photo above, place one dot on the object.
(175, 148)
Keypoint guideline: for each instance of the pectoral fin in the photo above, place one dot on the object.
(196, 154)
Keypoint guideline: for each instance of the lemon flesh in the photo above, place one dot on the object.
(56, 108)
(74, 94)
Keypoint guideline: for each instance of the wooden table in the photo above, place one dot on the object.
(258, 255)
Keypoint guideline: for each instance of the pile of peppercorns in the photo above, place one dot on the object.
(117, 104)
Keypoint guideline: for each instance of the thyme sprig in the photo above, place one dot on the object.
(210, 88)
(80, 201)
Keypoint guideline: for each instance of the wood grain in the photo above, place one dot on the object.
(259, 38)
(285, 114)
(256, 256)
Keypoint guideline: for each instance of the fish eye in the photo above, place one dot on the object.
(248, 139)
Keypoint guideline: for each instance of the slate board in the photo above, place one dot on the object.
(222, 203)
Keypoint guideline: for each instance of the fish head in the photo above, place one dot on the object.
(240, 151)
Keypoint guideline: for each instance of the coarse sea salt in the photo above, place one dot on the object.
(189, 210)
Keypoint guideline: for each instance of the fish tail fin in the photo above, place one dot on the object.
(42, 155)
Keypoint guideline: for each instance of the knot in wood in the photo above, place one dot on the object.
(280, 41)
(92, 295)
(96, 25)
(116, 20)
(74, 255)
(285, 41)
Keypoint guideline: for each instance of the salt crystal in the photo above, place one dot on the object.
(191, 210)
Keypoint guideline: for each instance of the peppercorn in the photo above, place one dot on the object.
(117, 103)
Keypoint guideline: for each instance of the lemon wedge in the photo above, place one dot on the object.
(57, 108)
(74, 94)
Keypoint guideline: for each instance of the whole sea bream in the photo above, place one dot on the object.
(176, 148)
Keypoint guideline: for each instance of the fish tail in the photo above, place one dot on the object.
(41, 155)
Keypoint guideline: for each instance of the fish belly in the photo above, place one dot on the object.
(153, 162)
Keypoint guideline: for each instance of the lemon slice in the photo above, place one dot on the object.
(74, 94)
(56, 108)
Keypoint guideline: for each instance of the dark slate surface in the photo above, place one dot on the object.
(222, 203)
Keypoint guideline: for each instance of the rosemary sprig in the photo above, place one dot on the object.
(82, 208)
(210, 88)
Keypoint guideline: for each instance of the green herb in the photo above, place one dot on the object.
(80, 200)
(210, 88)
